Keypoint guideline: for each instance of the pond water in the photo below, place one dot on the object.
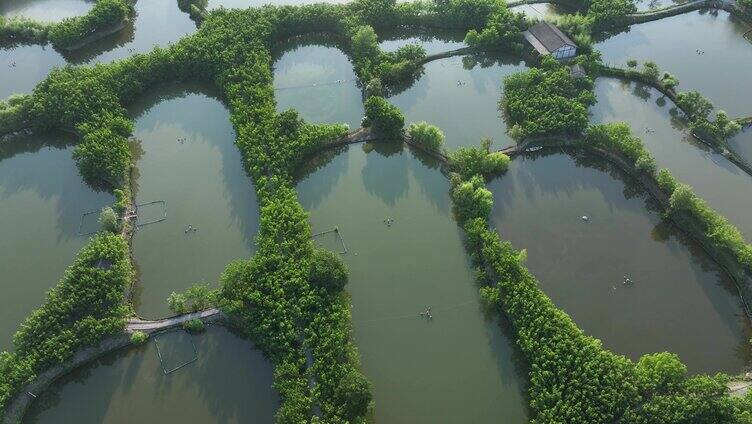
(157, 22)
(188, 159)
(458, 367)
(722, 184)
(319, 83)
(460, 95)
(720, 73)
(230, 382)
(742, 144)
(42, 199)
(679, 300)
(45, 10)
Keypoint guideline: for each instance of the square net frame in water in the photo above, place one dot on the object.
(167, 371)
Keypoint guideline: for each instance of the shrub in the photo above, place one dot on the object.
(471, 198)
(490, 297)
(470, 161)
(659, 372)
(427, 136)
(618, 138)
(196, 298)
(631, 63)
(650, 71)
(139, 337)
(547, 101)
(385, 119)
(328, 271)
(109, 220)
(194, 326)
(105, 14)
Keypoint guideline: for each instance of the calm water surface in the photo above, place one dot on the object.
(720, 73)
(157, 23)
(724, 186)
(190, 161)
(319, 83)
(459, 367)
(229, 383)
(460, 96)
(45, 10)
(680, 301)
(42, 198)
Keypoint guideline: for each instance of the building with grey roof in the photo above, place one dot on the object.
(547, 39)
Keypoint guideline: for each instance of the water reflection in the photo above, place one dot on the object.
(190, 161)
(458, 368)
(42, 198)
(229, 383)
(665, 136)
(680, 300)
(673, 43)
(156, 23)
(45, 10)
(461, 95)
(318, 82)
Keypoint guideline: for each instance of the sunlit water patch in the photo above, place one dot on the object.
(188, 159)
(229, 383)
(42, 200)
(678, 299)
(319, 83)
(45, 10)
(405, 254)
(705, 50)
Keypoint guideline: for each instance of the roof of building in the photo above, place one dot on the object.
(546, 38)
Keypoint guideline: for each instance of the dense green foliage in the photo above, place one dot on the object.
(547, 100)
(196, 298)
(698, 109)
(139, 337)
(85, 307)
(385, 119)
(68, 33)
(618, 137)
(194, 326)
(503, 31)
(104, 15)
(469, 161)
(14, 113)
(288, 297)
(427, 136)
(108, 219)
(328, 271)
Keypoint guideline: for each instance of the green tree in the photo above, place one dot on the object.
(328, 271)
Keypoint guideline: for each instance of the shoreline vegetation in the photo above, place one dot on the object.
(289, 299)
(105, 18)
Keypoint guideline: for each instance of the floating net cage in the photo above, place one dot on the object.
(151, 212)
(332, 240)
(175, 350)
(146, 214)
